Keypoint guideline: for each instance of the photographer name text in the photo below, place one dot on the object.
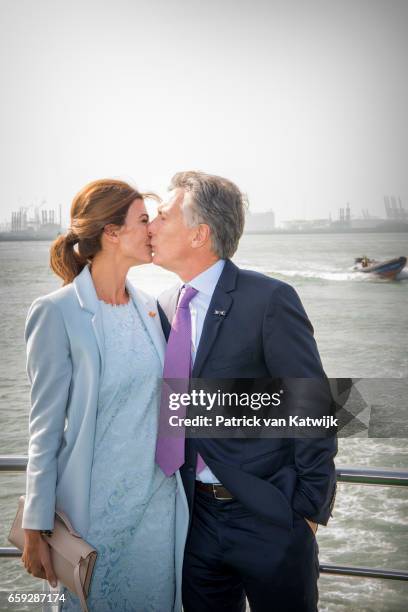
(324, 422)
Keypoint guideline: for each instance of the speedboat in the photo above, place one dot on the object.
(384, 269)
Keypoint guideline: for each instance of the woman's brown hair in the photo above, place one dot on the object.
(99, 203)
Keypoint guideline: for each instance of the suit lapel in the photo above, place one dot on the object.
(88, 300)
(217, 312)
(220, 303)
(97, 325)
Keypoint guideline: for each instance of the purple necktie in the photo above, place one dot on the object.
(177, 365)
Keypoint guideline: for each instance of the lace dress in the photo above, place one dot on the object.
(132, 503)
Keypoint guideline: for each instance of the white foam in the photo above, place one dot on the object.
(334, 275)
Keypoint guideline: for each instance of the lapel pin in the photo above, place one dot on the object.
(219, 313)
(152, 313)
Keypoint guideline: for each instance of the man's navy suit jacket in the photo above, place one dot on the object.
(264, 332)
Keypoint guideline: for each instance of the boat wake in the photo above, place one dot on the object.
(322, 273)
(340, 275)
(335, 275)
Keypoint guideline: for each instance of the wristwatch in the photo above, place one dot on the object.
(46, 532)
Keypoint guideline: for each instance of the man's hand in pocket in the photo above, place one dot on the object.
(313, 526)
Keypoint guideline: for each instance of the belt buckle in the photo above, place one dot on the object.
(215, 494)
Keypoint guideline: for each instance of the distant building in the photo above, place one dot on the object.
(301, 225)
(394, 211)
(366, 223)
(27, 226)
(22, 222)
(260, 222)
(344, 220)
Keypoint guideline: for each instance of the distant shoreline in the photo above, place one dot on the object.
(275, 232)
(21, 239)
(368, 230)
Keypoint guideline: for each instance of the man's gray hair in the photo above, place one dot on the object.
(217, 202)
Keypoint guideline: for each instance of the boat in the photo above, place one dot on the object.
(388, 269)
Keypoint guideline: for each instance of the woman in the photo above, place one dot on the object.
(95, 353)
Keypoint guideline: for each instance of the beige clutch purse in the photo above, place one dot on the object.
(73, 559)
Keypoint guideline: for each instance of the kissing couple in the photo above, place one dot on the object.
(178, 523)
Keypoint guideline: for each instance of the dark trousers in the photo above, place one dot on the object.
(231, 553)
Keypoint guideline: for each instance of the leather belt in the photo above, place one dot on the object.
(218, 491)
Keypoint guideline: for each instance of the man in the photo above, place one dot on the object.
(254, 503)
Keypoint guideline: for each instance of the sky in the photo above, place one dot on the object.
(302, 104)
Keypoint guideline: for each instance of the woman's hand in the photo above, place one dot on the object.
(37, 557)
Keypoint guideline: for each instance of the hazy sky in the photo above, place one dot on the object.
(302, 103)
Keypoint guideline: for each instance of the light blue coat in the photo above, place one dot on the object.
(65, 363)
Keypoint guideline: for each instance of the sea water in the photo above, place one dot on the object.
(361, 327)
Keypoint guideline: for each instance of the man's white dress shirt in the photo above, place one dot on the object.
(205, 284)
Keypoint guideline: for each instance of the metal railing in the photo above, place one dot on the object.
(365, 476)
(13, 463)
(362, 476)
